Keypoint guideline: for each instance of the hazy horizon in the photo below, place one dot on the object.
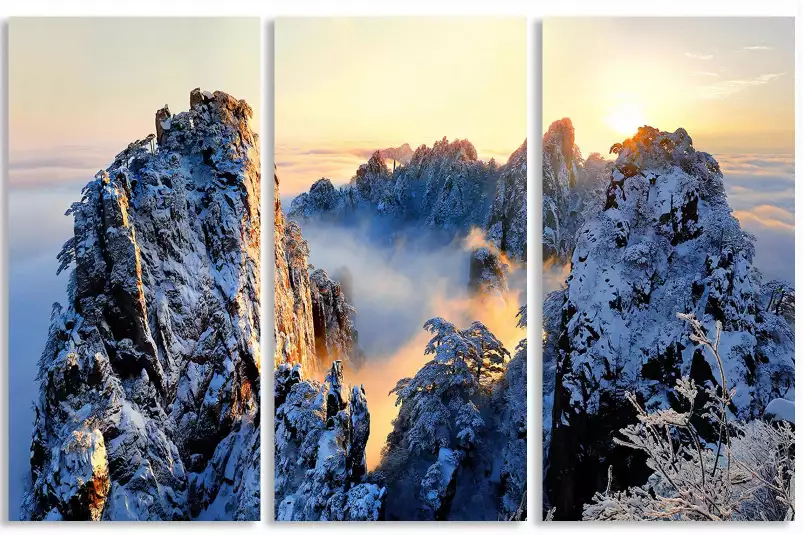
(728, 81)
(348, 86)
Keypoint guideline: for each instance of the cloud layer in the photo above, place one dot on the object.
(395, 290)
(67, 167)
(761, 191)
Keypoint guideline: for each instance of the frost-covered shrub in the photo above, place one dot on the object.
(747, 474)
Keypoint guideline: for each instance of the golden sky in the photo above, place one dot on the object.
(728, 81)
(95, 83)
(347, 86)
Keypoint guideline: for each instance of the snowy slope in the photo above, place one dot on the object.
(320, 449)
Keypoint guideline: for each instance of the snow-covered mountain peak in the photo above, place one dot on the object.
(441, 194)
(572, 189)
(149, 382)
(664, 242)
(457, 150)
(559, 138)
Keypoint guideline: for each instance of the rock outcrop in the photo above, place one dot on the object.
(507, 221)
(313, 321)
(293, 325)
(664, 243)
(333, 321)
(400, 155)
(149, 382)
(487, 272)
(320, 449)
(573, 190)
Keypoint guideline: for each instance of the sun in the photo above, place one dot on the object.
(625, 119)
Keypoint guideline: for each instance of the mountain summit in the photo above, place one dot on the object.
(148, 404)
(663, 241)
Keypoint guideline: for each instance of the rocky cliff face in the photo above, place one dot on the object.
(313, 321)
(442, 193)
(333, 322)
(664, 243)
(487, 273)
(320, 449)
(573, 190)
(507, 220)
(293, 325)
(149, 382)
(320, 436)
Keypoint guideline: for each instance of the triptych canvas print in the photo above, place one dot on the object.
(662, 386)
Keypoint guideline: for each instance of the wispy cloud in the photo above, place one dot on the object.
(65, 166)
(703, 73)
(768, 216)
(694, 55)
(727, 88)
(758, 47)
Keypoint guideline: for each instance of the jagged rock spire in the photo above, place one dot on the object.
(149, 382)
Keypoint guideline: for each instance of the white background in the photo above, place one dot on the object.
(268, 10)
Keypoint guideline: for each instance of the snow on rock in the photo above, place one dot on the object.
(664, 243)
(513, 471)
(320, 449)
(313, 321)
(81, 474)
(781, 409)
(487, 272)
(507, 221)
(439, 483)
(151, 375)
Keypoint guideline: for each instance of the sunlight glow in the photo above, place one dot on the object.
(346, 86)
(625, 119)
(630, 71)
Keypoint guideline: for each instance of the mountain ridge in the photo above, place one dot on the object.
(444, 191)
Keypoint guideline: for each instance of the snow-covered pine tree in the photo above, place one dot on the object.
(459, 440)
